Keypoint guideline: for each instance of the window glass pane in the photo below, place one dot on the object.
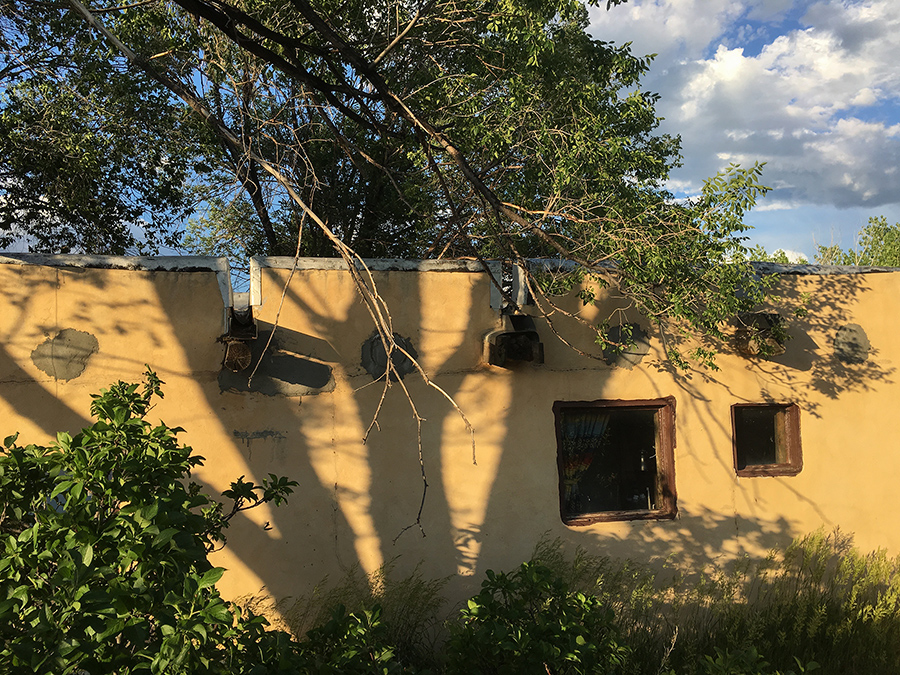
(608, 459)
(755, 434)
(767, 439)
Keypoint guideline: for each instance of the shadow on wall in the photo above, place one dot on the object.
(35, 402)
(355, 522)
(58, 323)
(61, 353)
(816, 314)
(698, 539)
(281, 365)
(327, 525)
(749, 520)
(832, 364)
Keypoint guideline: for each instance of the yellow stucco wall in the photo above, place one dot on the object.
(355, 498)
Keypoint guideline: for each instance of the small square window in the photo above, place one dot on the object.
(766, 439)
(616, 460)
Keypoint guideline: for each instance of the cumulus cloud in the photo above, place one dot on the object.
(809, 88)
(794, 256)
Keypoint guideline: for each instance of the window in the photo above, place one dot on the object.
(616, 460)
(766, 439)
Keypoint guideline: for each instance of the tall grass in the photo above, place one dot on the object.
(413, 610)
(821, 601)
(820, 604)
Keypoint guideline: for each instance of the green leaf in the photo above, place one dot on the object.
(61, 487)
(164, 537)
(87, 555)
(210, 577)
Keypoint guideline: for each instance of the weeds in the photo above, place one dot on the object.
(820, 605)
(408, 610)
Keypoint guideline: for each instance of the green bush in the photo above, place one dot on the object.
(819, 605)
(529, 622)
(103, 554)
(406, 610)
(351, 644)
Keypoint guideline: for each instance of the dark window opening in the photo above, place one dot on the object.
(766, 439)
(616, 460)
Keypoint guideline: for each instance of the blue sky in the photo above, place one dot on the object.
(810, 88)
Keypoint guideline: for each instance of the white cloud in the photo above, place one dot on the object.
(817, 101)
(674, 29)
(794, 256)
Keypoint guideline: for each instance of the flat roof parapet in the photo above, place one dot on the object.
(778, 268)
(218, 265)
(150, 263)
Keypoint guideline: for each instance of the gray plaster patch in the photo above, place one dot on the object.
(633, 345)
(281, 374)
(374, 357)
(851, 344)
(65, 356)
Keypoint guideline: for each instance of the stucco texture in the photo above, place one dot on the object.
(356, 498)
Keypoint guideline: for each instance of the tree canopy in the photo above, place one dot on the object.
(877, 244)
(373, 127)
(94, 158)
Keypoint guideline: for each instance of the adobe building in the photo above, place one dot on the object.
(622, 454)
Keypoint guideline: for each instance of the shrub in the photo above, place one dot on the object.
(530, 622)
(103, 554)
(406, 611)
(819, 605)
(351, 644)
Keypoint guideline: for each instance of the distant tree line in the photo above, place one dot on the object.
(877, 244)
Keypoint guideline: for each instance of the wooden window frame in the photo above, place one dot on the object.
(665, 461)
(790, 437)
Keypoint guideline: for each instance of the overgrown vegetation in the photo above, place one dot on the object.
(820, 605)
(104, 553)
(821, 601)
(878, 244)
(103, 569)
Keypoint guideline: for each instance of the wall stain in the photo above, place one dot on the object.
(247, 437)
(284, 369)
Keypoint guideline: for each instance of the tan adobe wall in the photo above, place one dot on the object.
(311, 402)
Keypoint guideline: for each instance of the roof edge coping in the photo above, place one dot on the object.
(467, 265)
(218, 265)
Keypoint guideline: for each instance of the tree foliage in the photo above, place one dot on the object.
(393, 128)
(529, 621)
(878, 244)
(94, 157)
(103, 565)
(759, 254)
